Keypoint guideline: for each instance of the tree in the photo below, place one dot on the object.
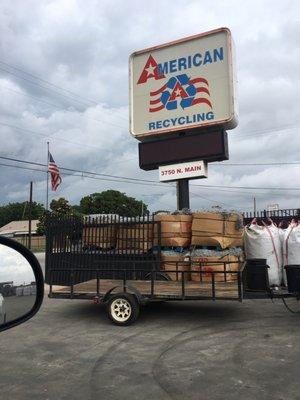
(112, 202)
(59, 208)
(20, 212)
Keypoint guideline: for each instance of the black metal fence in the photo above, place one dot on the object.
(276, 215)
(108, 242)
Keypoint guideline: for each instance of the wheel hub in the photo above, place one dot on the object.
(121, 310)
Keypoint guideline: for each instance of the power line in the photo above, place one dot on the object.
(247, 187)
(42, 87)
(48, 136)
(83, 176)
(148, 180)
(215, 201)
(59, 107)
(151, 183)
(79, 171)
(30, 96)
(253, 164)
(250, 193)
(56, 139)
(225, 164)
(267, 132)
(73, 96)
(50, 83)
(86, 100)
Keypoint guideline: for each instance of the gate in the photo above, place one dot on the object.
(107, 243)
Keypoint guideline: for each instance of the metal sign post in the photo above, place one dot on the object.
(183, 194)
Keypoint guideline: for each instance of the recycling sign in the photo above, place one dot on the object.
(182, 85)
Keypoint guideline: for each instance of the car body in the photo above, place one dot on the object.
(2, 310)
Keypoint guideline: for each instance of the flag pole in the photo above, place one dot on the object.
(47, 196)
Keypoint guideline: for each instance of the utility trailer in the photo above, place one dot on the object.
(117, 261)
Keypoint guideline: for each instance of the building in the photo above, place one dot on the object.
(19, 231)
(19, 228)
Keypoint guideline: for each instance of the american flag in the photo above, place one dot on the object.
(54, 171)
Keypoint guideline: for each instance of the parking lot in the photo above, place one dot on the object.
(190, 350)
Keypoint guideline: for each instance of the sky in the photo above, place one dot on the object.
(14, 267)
(64, 79)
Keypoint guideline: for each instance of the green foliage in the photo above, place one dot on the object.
(59, 208)
(107, 202)
(19, 212)
(112, 202)
(41, 225)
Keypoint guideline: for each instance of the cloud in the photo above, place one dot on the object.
(14, 267)
(83, 48)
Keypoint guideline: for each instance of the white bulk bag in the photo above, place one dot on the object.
(291, 244)
(282, 234)
(264, 242)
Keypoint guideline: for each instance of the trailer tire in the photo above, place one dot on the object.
(123, 309)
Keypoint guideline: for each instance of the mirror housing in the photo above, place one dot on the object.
(37, 291)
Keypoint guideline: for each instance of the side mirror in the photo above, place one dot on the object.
(21, 284)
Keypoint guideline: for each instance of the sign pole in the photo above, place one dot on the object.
(183, 194)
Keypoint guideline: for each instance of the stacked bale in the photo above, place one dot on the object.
(222, 233)
(175, 262)
(207, 261)
(99, 237)
(135, 237)
(219, 229)
(175, 231)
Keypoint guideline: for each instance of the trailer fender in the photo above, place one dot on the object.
(131, 289)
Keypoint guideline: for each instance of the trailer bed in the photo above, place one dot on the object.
(176, 290)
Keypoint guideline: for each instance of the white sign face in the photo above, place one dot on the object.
(273, 207)
(188, 170)
(183, 85)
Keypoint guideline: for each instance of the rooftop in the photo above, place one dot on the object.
(14, 228)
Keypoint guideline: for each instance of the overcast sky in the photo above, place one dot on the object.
(14, 267)
(64, 79)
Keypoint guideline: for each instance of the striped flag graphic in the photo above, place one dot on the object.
(180, 90)
(54, 172)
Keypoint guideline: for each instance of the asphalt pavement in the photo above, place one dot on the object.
(175, 350)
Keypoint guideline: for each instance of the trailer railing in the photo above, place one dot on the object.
(155, 276)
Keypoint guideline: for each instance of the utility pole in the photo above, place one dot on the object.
(30, 216)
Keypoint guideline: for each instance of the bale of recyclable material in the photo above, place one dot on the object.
(217, 229)
(102, 237)
(205, 265)
(176, 262)
(175, 230)
(135, 237)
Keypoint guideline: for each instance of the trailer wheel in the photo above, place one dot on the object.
(123, 308)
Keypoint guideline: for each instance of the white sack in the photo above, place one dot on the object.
(264, 242)
(282, 235)
(291, 245)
